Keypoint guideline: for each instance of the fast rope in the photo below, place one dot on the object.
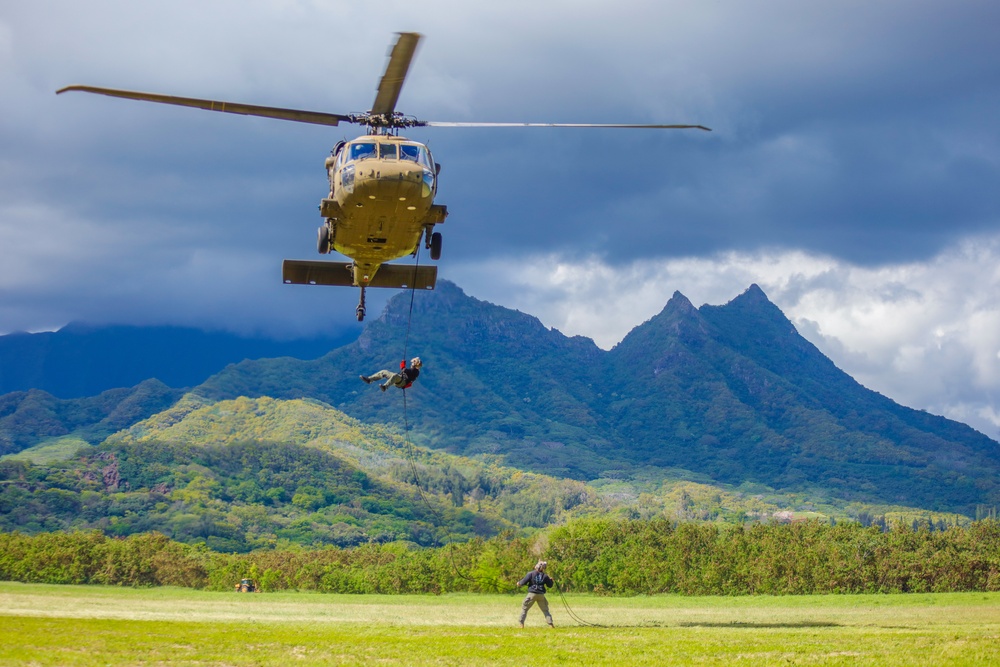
(410, 457)
(406, 422)
(572, 614)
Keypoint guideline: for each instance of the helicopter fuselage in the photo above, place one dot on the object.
(381, 202)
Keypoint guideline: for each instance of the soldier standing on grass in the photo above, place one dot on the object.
(537, 582)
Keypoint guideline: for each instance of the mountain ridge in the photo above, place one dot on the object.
(732, 393)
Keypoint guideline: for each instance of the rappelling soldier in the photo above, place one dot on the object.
(403, 379)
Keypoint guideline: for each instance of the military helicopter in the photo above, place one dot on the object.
(382, 186)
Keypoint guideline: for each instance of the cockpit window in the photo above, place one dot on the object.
(415, 153)
(388, 151)
(362, 150)
(409, 152)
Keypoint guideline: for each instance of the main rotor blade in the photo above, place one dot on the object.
(608, 125)
(395, 74)
(314, 117)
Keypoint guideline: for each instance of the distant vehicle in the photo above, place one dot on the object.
(247, 586)
(382, 185)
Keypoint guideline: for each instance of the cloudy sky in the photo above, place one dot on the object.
(852, 172)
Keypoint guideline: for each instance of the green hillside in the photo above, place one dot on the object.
(30, 418)
(252, 473)
(243, 474)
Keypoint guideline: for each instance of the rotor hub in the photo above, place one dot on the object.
(384, 123)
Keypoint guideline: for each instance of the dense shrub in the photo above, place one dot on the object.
(602, 556)
(645, 557)
(89, 557)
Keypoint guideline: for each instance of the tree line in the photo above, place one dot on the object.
(610, 557)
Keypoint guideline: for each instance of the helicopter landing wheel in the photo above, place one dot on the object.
(361, 306)
(323, 239)
(436, 245)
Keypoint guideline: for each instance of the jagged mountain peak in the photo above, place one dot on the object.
(449, 317)
(753, 325)
(679, 304)
(752, 319)
(677, 307)
(752, 303)
(753, 294)
(445, 294)
(679, 319)
(445, 298)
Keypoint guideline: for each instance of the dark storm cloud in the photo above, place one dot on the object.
(857, 129)
(861, 130)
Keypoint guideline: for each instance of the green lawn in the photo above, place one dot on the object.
(91, 625)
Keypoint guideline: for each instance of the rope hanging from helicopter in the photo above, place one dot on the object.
(411, 459)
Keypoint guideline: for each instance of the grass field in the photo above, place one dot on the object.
(90, 625)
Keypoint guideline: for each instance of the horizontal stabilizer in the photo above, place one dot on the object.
(312, 272)
(304, 272)
(401, 275)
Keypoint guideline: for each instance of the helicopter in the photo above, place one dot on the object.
(380, 205)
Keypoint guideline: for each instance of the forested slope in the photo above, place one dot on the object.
(260, 473)
(28, 418)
